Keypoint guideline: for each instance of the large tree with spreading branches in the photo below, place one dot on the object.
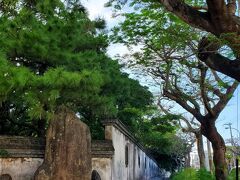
(168, 54)
(218, 17)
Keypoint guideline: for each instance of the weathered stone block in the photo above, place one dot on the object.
(68, 149)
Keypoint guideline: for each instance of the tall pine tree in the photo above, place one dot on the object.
(52, 54)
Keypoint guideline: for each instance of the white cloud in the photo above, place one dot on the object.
(96, 9)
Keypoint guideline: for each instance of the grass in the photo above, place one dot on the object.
(193, 174)
(232, 175)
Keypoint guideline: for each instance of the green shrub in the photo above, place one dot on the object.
(232, 175)
(193, 174)
(203, 174)
(188, 173)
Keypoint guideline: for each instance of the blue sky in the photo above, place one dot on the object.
(96, 9)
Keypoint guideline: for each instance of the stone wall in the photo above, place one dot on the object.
(119, 157)
(130, 161)
(102, 153)
(19, 168)
(20, 157)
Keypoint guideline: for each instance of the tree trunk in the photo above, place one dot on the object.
(209, 130)
(187, 161)
(209, 156)
(200, 149)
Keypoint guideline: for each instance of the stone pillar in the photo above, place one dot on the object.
(68, 149)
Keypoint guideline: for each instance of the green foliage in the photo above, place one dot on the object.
(232, 175)
(157, 133)
(192, 174)
(203, 174)
(159, 33)
(185, 174)
(167, 46)
(51, 54)
(167, 52)
(4, 153)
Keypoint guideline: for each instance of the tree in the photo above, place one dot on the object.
(190, 126)
(162, 137)
(199, 139)
(215, 16)
(34, 58)
(52, 54)
(167, 53)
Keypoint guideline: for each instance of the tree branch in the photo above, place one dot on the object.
(190, 75)
(177, 98)
(216, 91)
(188, 14)
(205, 99)
(217, 109)
(218, 19)
(186, 97)
(207, 53)
(189, 126)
